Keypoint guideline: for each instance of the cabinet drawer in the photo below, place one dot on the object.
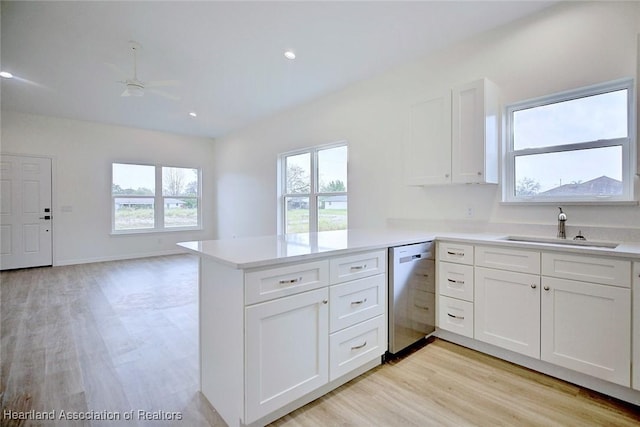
(455, 252)
(355, 301)
(606, 271)
(455, 315)
(263, 285)
(455, 280)
(508, 259)
(357, 266)
(635, 339)
(357, 345)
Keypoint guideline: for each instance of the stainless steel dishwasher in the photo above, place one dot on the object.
(412, 314)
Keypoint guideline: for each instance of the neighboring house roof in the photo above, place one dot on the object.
(602, 185)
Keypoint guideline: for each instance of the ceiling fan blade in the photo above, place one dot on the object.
(162, 83)
(164, 94)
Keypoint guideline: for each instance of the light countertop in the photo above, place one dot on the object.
(254, 252)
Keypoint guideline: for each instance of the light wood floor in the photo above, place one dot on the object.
(122, 336)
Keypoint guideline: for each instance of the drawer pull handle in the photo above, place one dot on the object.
(358, 347)
(359, 267)
(457, 282)
(456, 253)
(358, 302)
(455, 317)
(291, 281)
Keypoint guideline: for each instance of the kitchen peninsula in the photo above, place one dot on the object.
(285, 319)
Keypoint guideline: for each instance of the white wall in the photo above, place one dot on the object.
(82, 154)
(566, 46)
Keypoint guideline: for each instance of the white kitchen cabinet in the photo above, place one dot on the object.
(460, 253)
(356, 345)
(427, 152)
(270, 283)
(356, 301)
(287, 343)
(507, 310)
(474, 133)
(275, 337)
(523, 261)
(351, 267)
(456, 280)
(453, 137)
(635, 337)
(455, 315)
(587, 327)
(606, 271)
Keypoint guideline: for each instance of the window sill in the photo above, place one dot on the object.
(153, 231)
(571, 203)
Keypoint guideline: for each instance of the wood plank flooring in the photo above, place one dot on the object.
(122, 336)
(115, 336)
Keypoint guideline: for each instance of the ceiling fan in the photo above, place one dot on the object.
(137, 87)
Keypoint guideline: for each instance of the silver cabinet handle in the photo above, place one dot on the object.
(457, 282)
(359, 346)
(359, 267)
(456, 253)
(455, 317)
(291, 281)
(546, 288)
(324, 301)
(533, 286)
(358, 302)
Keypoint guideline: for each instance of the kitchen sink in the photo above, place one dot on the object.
(568, 242)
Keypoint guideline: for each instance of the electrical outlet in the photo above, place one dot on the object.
(469, 212)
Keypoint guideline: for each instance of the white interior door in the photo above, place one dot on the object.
(25, 212)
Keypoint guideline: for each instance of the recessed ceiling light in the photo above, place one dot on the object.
(6, 74)
(289, 55)
(192, 114)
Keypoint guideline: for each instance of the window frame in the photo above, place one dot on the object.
(627, 143)
(314, 194)
(158, 201)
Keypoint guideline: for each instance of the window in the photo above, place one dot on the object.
(573, 146)
(313, 188)
(154, 198)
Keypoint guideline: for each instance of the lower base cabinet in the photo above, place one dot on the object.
(356, 345)
(287, 342)
(572, 311)
(587, 327)
(507, 310)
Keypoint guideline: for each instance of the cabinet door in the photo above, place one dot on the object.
(635, 338)
(474, 135)
(507, 310)
(587, 328)
(427, 152)
(287, 351)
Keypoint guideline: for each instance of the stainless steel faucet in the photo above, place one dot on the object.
(562, 218)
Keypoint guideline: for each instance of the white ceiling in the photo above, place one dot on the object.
(228, 56)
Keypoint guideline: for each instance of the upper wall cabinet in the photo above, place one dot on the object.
(428, 152)
(454, 137)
